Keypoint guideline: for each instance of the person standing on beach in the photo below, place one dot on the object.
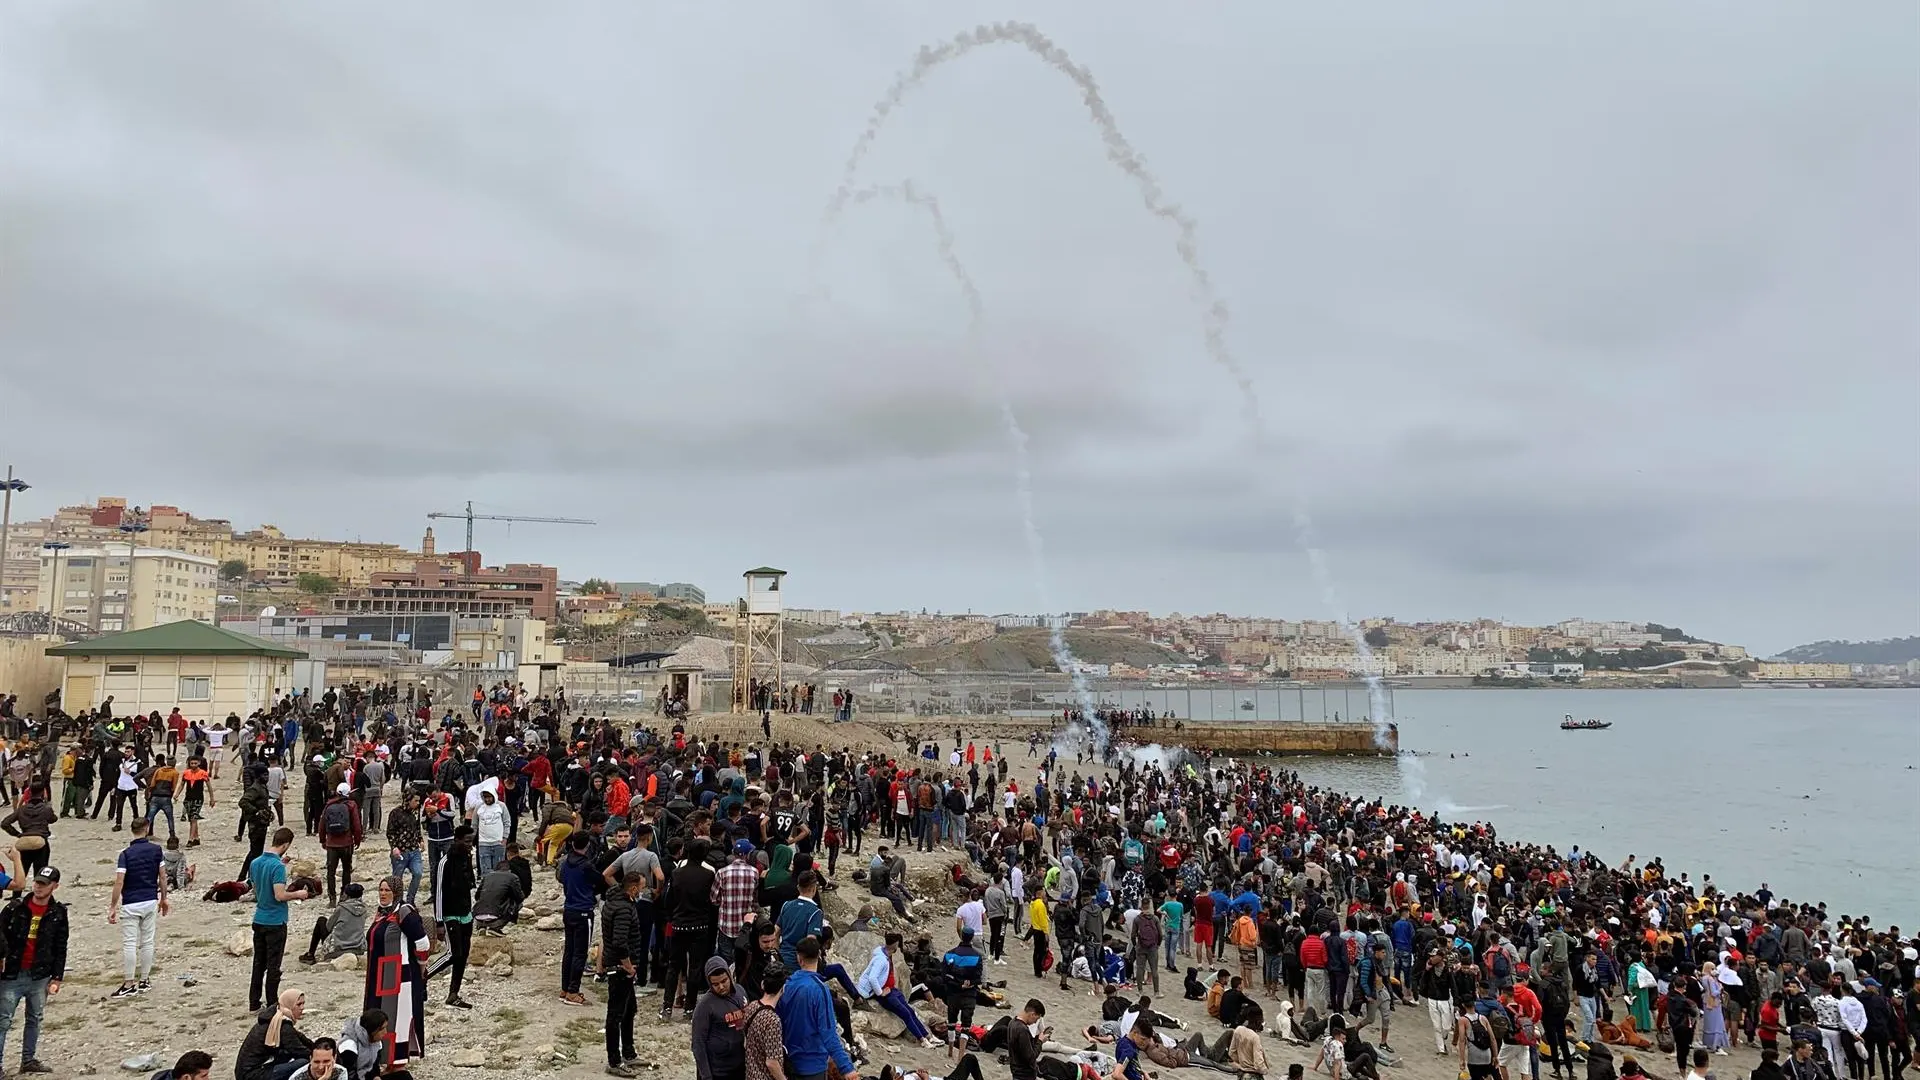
(268, 878)
(139, 899)
(32, 822)
(33, 958)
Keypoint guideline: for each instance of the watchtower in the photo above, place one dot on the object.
(759, 641)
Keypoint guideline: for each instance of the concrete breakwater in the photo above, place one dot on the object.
(1263, 738)
(1277, 738)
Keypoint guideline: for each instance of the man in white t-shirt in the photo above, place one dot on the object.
(490, 832)
(971, 915)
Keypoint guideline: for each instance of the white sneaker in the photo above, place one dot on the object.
(999, 963)
(1722, 1052)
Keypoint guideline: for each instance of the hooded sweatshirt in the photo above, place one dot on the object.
(361, 1056)
(809, 1027)
(347, 929)
(719, 1045)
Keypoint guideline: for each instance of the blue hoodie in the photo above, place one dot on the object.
(577, 880)
(808, 1026)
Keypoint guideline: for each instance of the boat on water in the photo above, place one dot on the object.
(1570, 724)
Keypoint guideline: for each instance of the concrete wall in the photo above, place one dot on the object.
(26, 670)
(1277, 738)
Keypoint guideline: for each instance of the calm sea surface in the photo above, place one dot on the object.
(1816, 792)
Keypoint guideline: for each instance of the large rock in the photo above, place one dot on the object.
(486, 947)
(348, 962)
(549, 922)
(469, 1058)
(240, 943)
(501, 965)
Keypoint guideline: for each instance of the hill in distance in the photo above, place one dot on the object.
(1890, 651)
(1019, 651)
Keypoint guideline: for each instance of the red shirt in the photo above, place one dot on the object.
(38, 911)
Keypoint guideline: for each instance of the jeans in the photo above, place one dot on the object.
(341, 857)
(644, 918)
(957, 828)
(11, 991)
(1336, 992)
(491, 855)
(269, 949)
(573, 954)
(1145, 970)
(894, 1002)
(409, 863)
(1589, 1019)
(138, 922)
(1172, 943)
(924, 838)
(161, 804)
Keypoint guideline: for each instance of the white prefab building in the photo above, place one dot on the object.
(205, 670)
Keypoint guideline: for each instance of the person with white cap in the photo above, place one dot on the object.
(341, 830)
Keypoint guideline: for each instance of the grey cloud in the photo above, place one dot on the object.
(1547, 308)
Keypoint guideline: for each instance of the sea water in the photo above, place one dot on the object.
(1815, 792)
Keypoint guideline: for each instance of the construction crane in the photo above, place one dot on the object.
(473, 517)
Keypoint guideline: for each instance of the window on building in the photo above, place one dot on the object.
(196, 688)
(123, 669)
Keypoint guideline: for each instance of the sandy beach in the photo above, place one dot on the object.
(517, 1026)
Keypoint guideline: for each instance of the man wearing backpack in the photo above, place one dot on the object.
(341, 831)
(1146, 949)
(1478, 1035)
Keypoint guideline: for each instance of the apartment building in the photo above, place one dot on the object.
(531, 587)
(112, 588)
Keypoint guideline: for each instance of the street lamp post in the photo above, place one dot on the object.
(133, 523)
(57, 594)
(6, 519)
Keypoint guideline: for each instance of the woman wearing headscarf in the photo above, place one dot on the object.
(1641, 984)
(1713, 1020)
(397, 945)
(776, 885)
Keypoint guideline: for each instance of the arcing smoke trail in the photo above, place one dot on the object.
(908, 192)
(1130, 161)
(1119, 151)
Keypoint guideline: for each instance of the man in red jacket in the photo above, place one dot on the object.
(341, 830)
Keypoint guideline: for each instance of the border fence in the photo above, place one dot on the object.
(899, 694)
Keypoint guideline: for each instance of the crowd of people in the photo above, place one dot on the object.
(696, 870)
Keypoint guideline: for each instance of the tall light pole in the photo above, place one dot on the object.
(133, 523)
(6, 519)
(57, 595)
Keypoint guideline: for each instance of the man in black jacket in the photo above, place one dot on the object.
(34, 929)
(620, 942)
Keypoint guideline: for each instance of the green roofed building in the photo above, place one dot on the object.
(207, 671)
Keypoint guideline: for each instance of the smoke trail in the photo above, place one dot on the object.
(1119, 151)
(908, 192)
(1413, 770)
(1214, 310)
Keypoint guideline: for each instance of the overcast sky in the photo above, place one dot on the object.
(1606, 313)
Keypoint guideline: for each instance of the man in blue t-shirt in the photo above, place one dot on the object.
(268, 878)
(139, 899)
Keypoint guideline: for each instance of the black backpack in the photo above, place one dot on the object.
(336, 819)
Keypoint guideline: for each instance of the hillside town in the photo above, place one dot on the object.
(382, 612)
